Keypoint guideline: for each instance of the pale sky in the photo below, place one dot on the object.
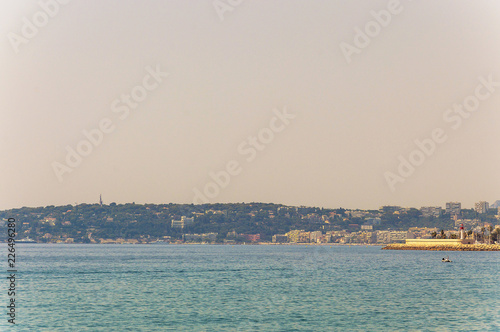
(355, 93)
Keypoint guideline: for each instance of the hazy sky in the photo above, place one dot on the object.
(297, 102)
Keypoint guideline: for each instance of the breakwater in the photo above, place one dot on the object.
(459, 247)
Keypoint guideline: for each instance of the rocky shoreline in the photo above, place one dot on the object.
(461, 247)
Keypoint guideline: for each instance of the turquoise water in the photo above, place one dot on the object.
(252, 288)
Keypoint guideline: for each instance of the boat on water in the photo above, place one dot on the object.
(160, 242)
(446, 260)
(26, 240)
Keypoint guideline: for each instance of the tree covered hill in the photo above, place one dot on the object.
(154, 220)
(85, 222)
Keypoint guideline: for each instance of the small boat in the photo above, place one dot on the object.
(446, 260)
(26, 240)
(159, 242)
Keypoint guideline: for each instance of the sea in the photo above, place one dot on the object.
(88, 287)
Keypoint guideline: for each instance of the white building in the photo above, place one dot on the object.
(184, 222)
(315, 236)
(391, 236)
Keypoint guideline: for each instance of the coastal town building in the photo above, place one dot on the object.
(251, 237)
(481, 207)
(359, 237)
(280, 238)
(315, 237)
(232, 234)
(431, 211)
(293, 236)
(391, 236)
(304, 237)
(184, 222)
(453, 208)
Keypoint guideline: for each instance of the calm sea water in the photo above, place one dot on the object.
(251, 288)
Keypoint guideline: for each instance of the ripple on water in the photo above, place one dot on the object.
(254, 288)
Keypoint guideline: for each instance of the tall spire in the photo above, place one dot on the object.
(100, 199)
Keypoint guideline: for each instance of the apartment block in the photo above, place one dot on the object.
(481, 207)
(431, 211)
(453, 208)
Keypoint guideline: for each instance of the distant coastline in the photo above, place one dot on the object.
(245, 223)
(214, 243)
(391, 246)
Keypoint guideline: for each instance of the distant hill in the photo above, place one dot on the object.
(495, 205)
(87, 223)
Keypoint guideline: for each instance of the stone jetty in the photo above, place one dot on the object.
(442, 247)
